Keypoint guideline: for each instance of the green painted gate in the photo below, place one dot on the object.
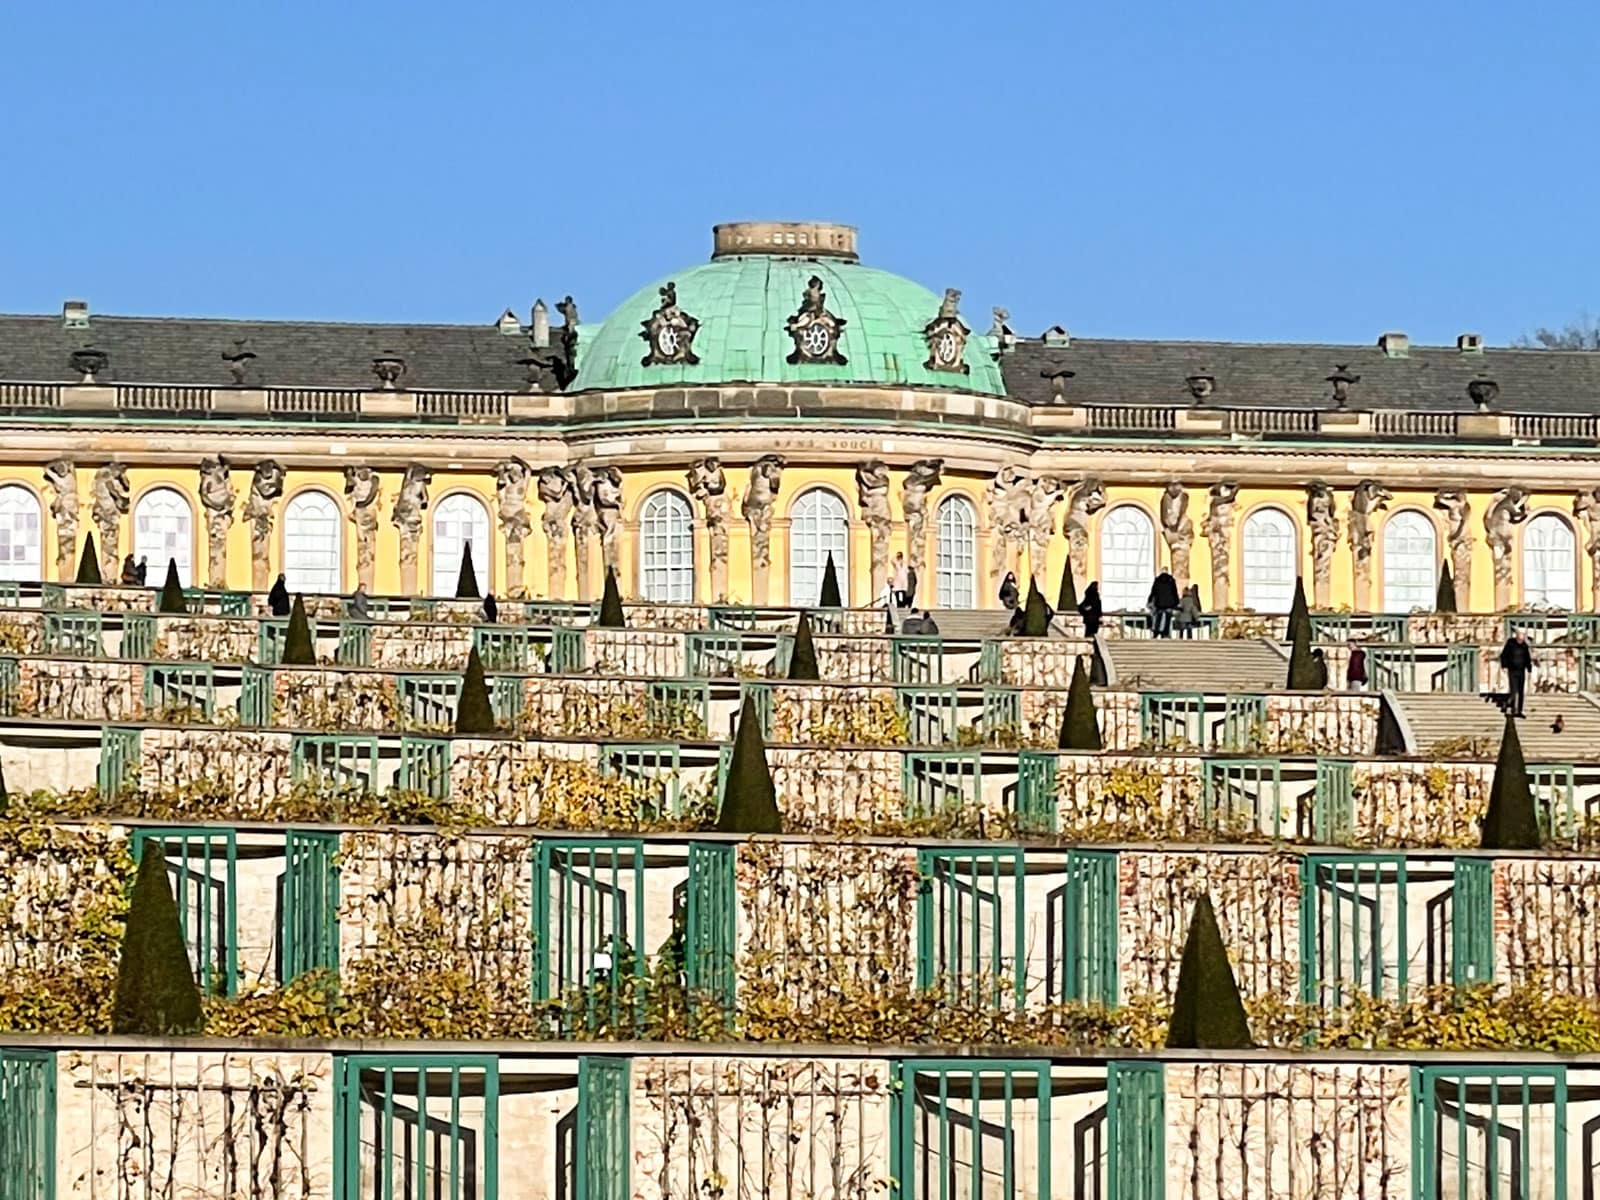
(203, 865)
(970, 915)
(970, 1129)
(711, 932)
(1137, 1117)
(1494, 1134)
(1472, 922)
(1081, 931)
(423, 1126)
(309, 919)
(27, 1125)
(588, 932)
(603, 1150)
(1353, 928)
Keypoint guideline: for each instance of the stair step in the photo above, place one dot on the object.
(1436, 717)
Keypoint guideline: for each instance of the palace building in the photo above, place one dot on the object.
(734, 423)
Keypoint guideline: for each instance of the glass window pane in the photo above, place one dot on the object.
(1270, 565)
(1549, 563)
(666, 549)
(21, 553)
(163, 529)
(956, 553)
(1410, 560)
(1127, 559)
(312, 543)
(457, 520)
(818, 526)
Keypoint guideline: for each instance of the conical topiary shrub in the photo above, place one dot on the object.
(1445, 601)
(749, 801)
(298, 648)
(172, 591)
(467, 578)
(1510, 822)
(1302, 667)
(1207, 1013)
(1067, 597)
(156, 992)
(1035, 614)
(89, 564)
(1080, 726)
(611, 604)
(829, 596)
(803, 658)
(474, 711)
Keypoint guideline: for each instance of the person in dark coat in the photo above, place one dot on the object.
(360, 606)
(491, 610)
(1163, 602)
(278, 603)
(1319, 662)
(1091, 610)
(142, 570)
(1187, 619)
(1355, 673)
(1010, 597)
(1517, 659)
(130, 572)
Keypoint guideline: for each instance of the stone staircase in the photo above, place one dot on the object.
(975, 624)
(1201, 665)
(1434, 717)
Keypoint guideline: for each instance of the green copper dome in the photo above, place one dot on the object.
(744, 300)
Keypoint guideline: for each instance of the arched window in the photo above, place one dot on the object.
(457, 520)
(955, 557)
(666, 549)
(163, 528)
(21, 536)
(1127, 558)
(1549, 563)
(1410, 562)
(313, 538)
(1270, 565)
(818, 527)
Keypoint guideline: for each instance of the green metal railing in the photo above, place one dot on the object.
(180, 691)
(1376, 627)
(78, 634)
(932, 714)
(1033, 798)
(1333, 804)
(119, 760)
(716, 655)
(429, 700)
(917, 660)
(354, 648)
(1081, 931)
(424, 766)
(1172, 719)
(967, 1129)
(255, 696)
(710, 925)
(347, 759)
(1555, 799)
(1460, 672)
(1353, 928)
(1392, 668)
(52, 595)
(138, 637)
(1243, 795)
(588, 932)
(760, 697)
(1472, 922)
(203, 864)
(420, 1126)
(506, 648)
(27, 1125)
(603, 1142)
(685, 704)
(655, 765)
(940, 781)
(970, 925)
(10, 686)
(566, 653)
(309, 927)
(1489, 1133)
(1136, 1119)
(271, 632)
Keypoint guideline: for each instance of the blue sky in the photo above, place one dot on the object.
(1245, 171)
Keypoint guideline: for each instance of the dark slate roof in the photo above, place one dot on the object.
(1430, 378)
(300, 354)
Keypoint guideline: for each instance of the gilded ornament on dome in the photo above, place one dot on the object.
(946, 336)
(669, 332)
(815, 330)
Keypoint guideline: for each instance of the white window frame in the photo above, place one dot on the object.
(1268, 569)
(1549, 564)
(1127, 558)
(313, 544)
(955, 552)
(1410, 562)
(455, 520)
(819, 523)
(666, 548)
(163, 528)
(21, 533)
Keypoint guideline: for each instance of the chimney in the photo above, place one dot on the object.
(1057, 336)
(75, 314)
(1470, 343)
(508, 323)
(541, 325)
(1394, 345)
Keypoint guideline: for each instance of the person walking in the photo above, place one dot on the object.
(1319, 663)
(491, 610)
(901, 582)
(1355, 672)
(1163, 603)
(360, 606)
(1187, 620)
(278, 603)
(1517, 659)
(1010, 597)
(1091, 610)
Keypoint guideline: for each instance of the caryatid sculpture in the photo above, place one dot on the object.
(585, 525)
(1368, 498)
(1218, 531)
(921, 478)
(556, 493)
(1324, 525)
(1457, 511)
(766, 476)
(260, 507)
(709, 487)
(216, 498)
(111, 494)
(361, 488)
(1508, 509)
(608, 516)
(511, 499)
(1010, 495)
(1586, 504)
(1086, 499)
(872, 500)
(62, 477)
(410, 502)
(1177, 530)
